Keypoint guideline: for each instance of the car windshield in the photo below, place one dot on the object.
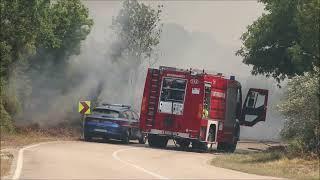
(106, 112)
(173, 90)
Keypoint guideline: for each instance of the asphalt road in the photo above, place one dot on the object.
(113, 160)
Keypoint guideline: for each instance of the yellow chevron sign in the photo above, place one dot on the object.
(84, 107)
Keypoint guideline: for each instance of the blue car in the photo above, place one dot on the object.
(113, 121)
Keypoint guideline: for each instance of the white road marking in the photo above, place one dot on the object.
(17, 172)
(115, 156)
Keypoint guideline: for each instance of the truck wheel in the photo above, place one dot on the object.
(183, 144)
(222, 146)
(230, 147)
(201, 146)
(157, 141)
(151, 140)
(227, 147)
(142, 139)
(162, 142)
(236, 134)
(126, 138)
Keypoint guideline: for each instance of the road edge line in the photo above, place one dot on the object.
(19, 164)
(115, 156)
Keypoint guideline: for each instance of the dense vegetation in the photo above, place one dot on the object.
(284, 42)
(137, 28)
(301, 108)
(37, 38)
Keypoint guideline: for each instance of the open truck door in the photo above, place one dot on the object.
(254, 107)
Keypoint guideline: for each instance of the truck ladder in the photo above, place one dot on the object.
(153, 97)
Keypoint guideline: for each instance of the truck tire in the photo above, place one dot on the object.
(200, 146)
(162, 142)
(142, 139)
(183, 143)
(152, 140)
(157, 141)
(230, 147)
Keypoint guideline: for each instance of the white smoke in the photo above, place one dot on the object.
(179, 47)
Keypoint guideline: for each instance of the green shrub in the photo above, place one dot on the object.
(301, 109)
(6, 122)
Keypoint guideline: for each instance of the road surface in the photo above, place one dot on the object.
(113, 160)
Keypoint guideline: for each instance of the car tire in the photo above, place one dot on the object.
(87, 137)
(106, 139)
(126, 138)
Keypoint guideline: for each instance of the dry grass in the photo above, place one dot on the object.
(5, 163)
(30, 135)
(270, 163)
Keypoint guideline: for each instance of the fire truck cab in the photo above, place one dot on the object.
(197, 108)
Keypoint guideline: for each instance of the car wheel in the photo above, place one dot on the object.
(87, 137)
(126, 138)
(105, 139)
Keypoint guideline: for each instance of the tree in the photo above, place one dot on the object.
(283, 42)
(138, 30)
(37, 37)
(301, 108)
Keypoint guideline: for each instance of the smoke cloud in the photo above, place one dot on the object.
(95, 75)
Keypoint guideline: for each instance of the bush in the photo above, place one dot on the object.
(6, 122)
(301, 109)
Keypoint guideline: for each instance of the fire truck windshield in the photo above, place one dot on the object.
(173, 90)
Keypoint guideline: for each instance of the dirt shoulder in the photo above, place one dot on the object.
(12, 142)
(270, 161)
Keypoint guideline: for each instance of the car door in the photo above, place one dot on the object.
(254, 107)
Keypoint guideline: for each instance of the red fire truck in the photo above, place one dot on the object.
(197, 108)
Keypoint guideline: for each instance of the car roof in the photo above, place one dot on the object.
(114, 108)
